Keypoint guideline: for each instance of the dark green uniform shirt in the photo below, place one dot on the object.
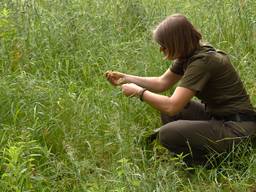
(210, 73)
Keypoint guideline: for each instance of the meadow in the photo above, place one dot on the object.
(63, 127)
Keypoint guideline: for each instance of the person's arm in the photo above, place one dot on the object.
(169, 105)
(154, 84)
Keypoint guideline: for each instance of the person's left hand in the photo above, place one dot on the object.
(131, 89)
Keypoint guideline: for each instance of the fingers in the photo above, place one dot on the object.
(114, 77)
(114, 74)
(126, 90)
(131, 89)
(108, 74)
(120, 81)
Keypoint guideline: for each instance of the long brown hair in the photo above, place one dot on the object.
(177, 36)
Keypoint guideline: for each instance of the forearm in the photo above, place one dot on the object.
(161, 103)
(169, 105)
(153, 84)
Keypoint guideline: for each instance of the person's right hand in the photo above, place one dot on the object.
(115, 77)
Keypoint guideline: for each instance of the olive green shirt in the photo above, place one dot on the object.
(210, 73)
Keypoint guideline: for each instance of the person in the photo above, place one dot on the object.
(220, 118)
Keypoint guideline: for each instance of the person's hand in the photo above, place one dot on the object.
(115, 77)
(131, 89)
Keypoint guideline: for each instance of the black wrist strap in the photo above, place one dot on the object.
(142, 93)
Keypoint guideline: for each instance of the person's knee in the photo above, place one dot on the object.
(168, 136)
(163, 138)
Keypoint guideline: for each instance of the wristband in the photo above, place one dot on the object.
(142, 93)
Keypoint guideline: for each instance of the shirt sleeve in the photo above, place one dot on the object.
(177, 68)
(196, 76)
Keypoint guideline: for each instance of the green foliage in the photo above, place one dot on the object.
(18, 165)
(64, 128)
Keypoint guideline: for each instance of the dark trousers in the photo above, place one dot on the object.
(195, 133)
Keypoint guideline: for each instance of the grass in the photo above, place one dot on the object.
(64, 128)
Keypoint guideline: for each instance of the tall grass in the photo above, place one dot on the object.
(64, 128)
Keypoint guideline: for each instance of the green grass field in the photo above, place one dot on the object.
(63, 127)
